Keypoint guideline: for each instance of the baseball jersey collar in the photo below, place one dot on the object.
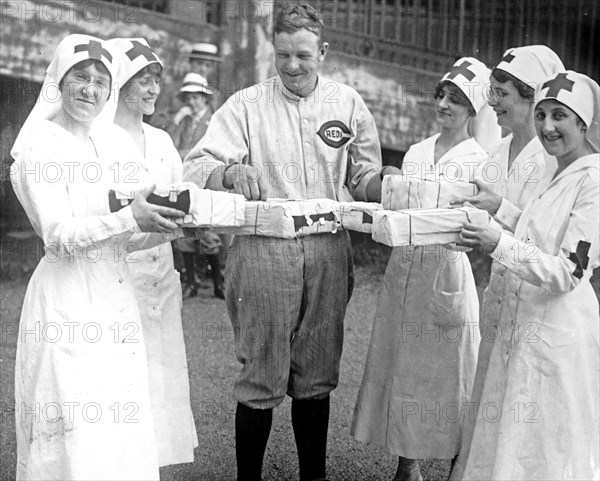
(292, 97)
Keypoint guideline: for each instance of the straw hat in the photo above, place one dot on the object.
(206, 51)
(194, 82)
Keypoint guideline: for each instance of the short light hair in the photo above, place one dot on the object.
(295, 16)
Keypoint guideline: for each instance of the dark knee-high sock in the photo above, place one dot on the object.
(190, 268)
(215, 269)
(252, 428)
(310, 420)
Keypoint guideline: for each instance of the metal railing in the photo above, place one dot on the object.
(479, 28)
(160, 6)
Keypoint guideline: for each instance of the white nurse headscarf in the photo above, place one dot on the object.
(578, 92)
(531, 64)
(472, 77)
(70, 51)
(131, 56)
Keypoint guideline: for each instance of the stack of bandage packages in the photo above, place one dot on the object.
(287, 219)
(416, 211)
(408, 192)
(203, 208)
(356, 216)
(423, 226)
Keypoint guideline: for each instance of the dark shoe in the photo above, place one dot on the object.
(408, 470)
(189, 291)
(219, 292)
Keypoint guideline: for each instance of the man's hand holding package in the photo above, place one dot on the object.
(246, 180)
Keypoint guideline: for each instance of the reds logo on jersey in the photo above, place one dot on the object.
(334, 133)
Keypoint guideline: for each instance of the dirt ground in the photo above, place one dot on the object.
(212, 370)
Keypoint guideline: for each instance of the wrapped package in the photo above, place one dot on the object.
(287, 218)
(406, 192)
(423, 226)
(357, 216)
(214, 209)
(203, 207)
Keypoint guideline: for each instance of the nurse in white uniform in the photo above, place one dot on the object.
(539, 407)
(423, 350)
(520, 170)
(81, 380)
(156, 281)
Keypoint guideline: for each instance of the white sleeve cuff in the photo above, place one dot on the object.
(128, 222)
(508, 214)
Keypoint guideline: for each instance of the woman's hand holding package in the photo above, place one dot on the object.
(486, 199)
(484, 236)
(153, 218)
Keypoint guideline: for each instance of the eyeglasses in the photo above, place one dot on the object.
(494, 94)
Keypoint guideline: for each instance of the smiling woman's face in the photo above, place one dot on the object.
(84, 90)
(450, 109)
(512, 110)
(559, 128)
(141, 91)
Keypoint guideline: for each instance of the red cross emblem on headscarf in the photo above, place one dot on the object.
(463, 70)
(141, 49)
(558, 83)
(95, 50)
(508, 58)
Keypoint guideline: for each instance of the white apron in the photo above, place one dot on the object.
(158, 291)
(539, 407)
(528, 176)
(421, 360)
(81, 380)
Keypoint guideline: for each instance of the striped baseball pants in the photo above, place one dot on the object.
(286, 299)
